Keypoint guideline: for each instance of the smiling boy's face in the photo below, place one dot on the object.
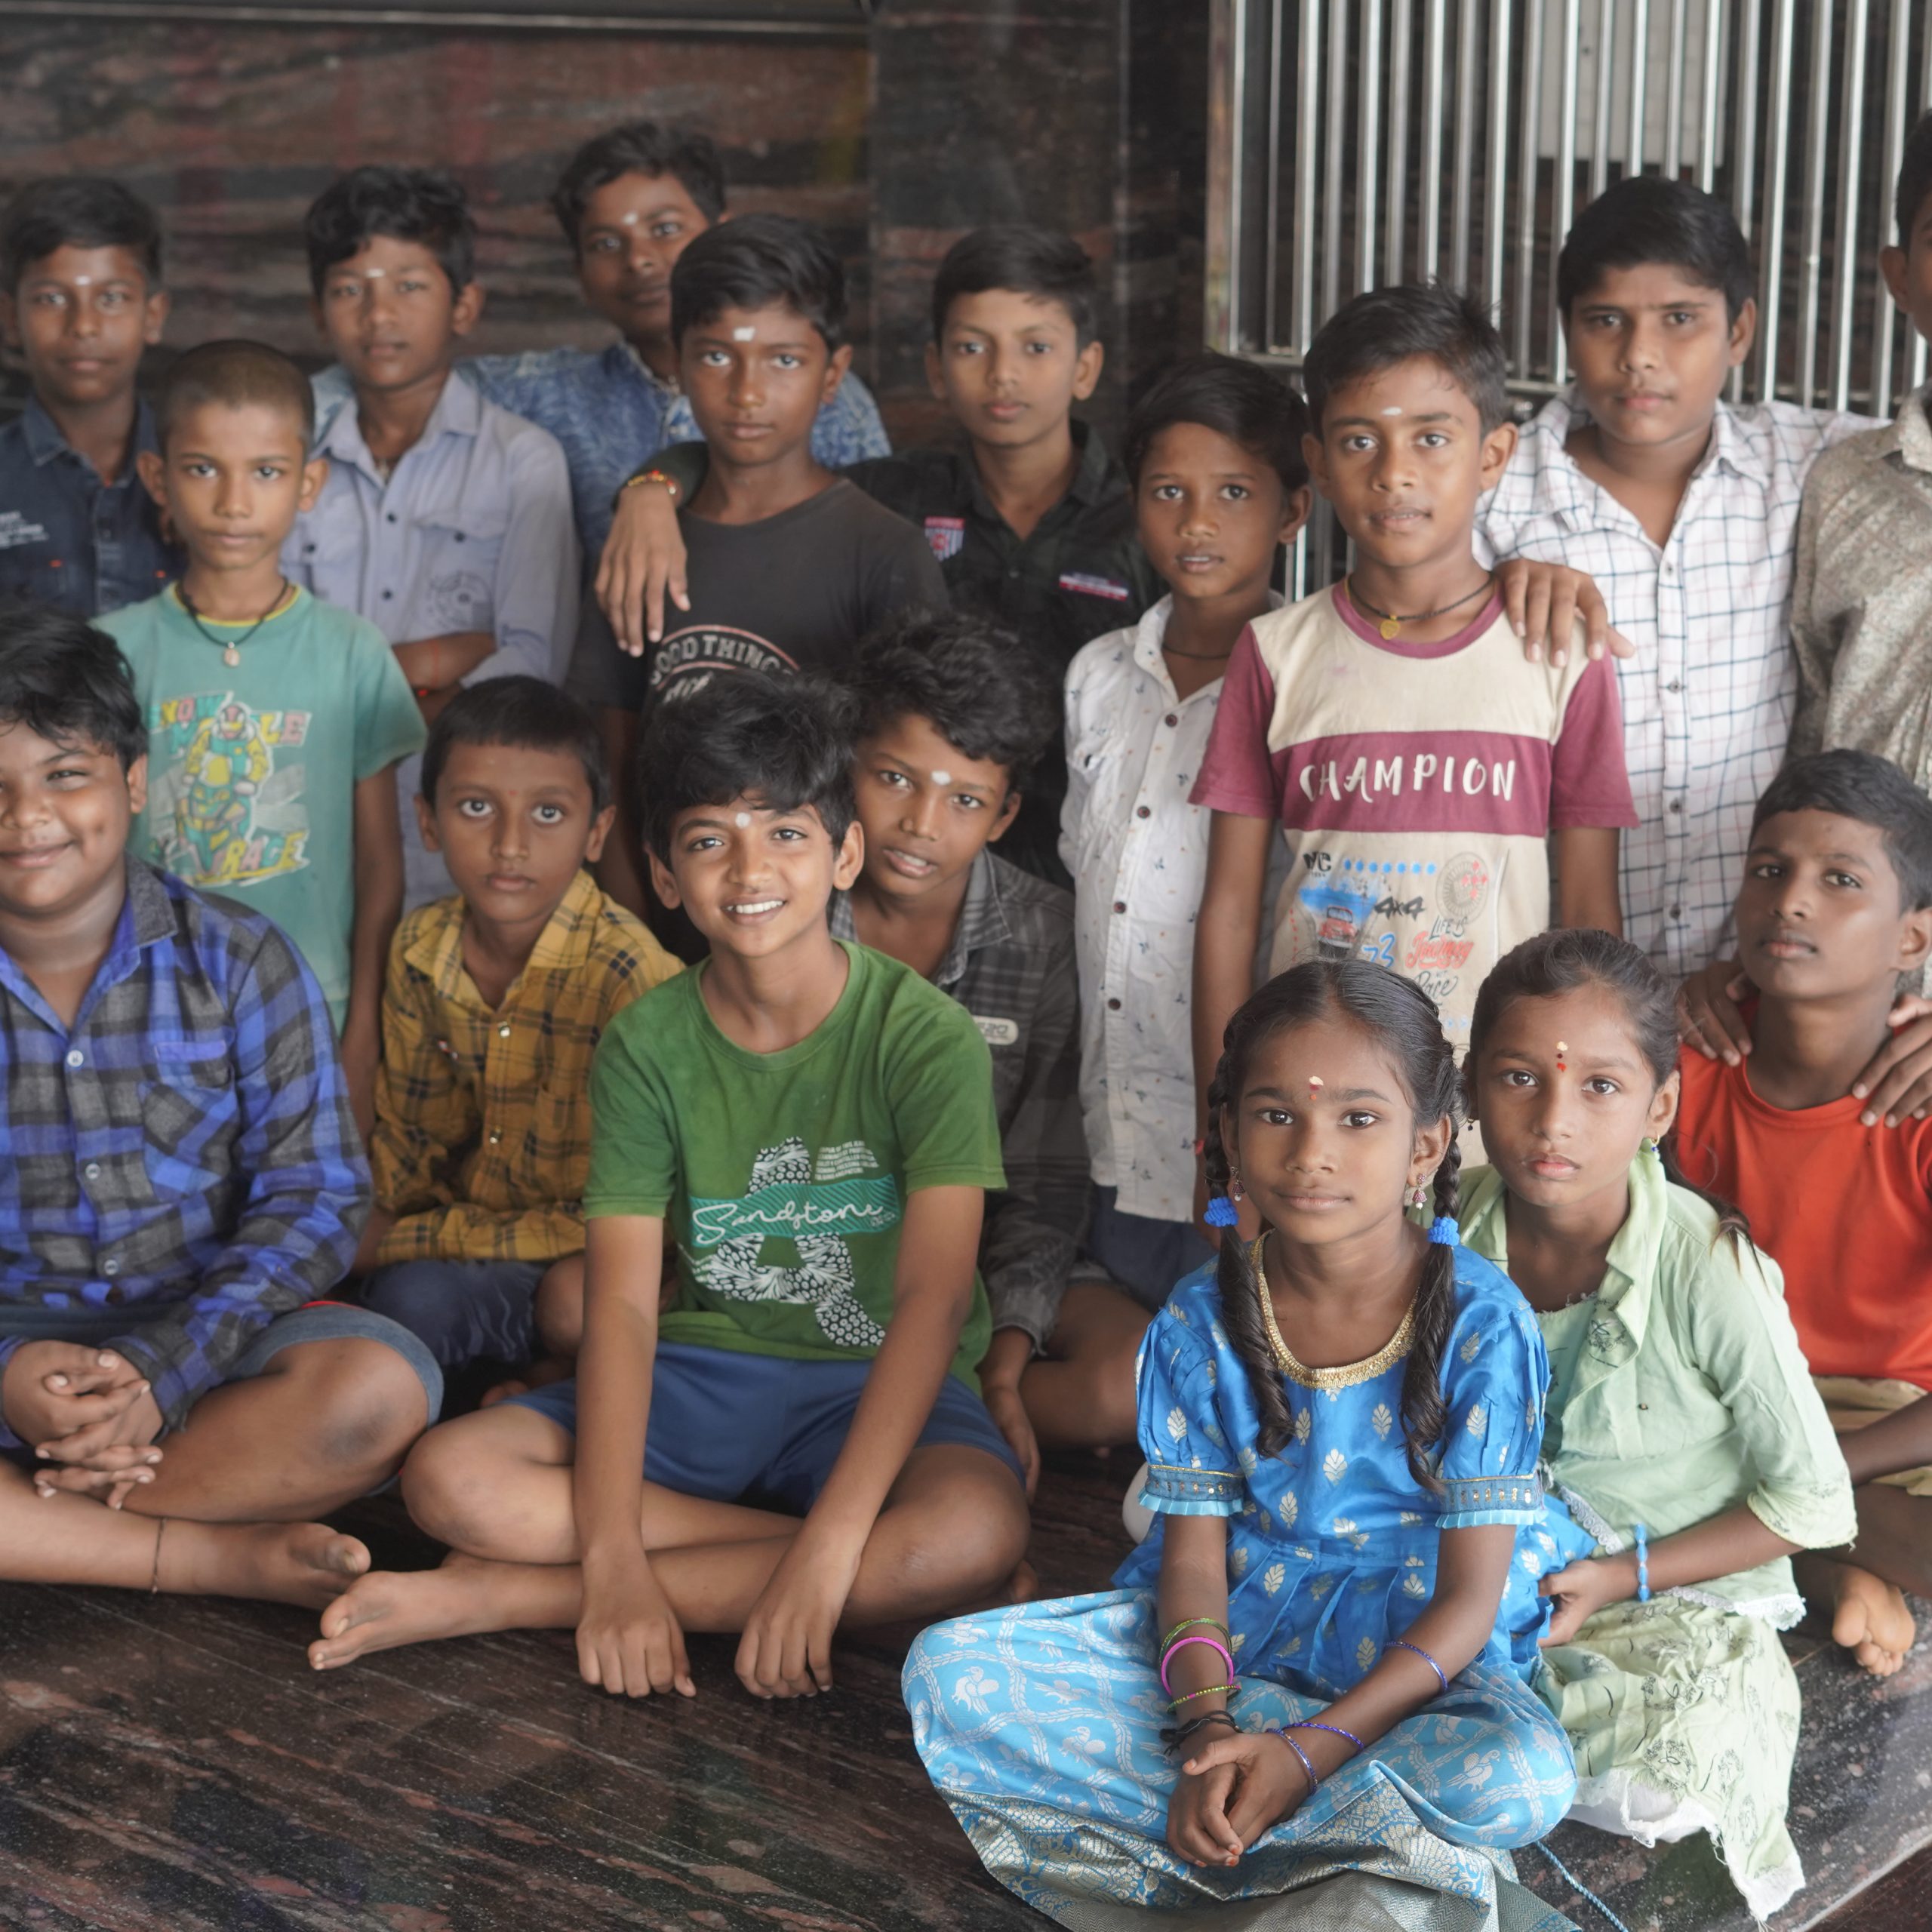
(391, 316)
(927, 810)
(81, 318)
(757, 378)
(1652, 349)
(755, 879)
(65, 813)
(515, 824)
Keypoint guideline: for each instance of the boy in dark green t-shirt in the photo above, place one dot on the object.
(812, 1124)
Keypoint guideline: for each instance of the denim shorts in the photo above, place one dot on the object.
(317, 1321)
(725, 1424)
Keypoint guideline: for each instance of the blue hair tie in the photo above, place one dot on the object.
(1221, 1213)
(1444, 1232)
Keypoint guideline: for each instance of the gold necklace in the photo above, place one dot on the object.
(1349, 1373)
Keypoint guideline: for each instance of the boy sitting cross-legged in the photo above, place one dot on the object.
(1835, 910)
(812, 1124)
(495, 998)
(952, 714)
(179, 1184)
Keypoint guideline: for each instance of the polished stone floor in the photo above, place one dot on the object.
(169, 1766)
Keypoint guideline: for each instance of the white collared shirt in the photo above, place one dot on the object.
(1138, 853)
(1707, 699)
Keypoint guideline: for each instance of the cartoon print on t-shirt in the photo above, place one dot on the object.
(226, 813)
(815, 1209)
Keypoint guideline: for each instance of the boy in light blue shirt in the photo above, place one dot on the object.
(443, 520)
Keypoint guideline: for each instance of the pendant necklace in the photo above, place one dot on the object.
(1390, 623)
(231, 648)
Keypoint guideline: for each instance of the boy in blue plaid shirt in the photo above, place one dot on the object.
(181, 1184)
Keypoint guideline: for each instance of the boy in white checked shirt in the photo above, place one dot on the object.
(1685, 510)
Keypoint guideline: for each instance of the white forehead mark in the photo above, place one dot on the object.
(942, 778)
(741, 820)
(84, 281)
(630, 220)
(1394, 409)
(744, 335)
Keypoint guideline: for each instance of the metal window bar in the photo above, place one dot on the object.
(1357, 142)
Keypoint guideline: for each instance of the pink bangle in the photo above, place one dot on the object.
(1181, 1644)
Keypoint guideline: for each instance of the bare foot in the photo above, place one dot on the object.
(1870, 1618)
(298, 1563)
(501, 1391)
(388, 1608)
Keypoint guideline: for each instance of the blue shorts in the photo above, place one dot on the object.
(725, 1424)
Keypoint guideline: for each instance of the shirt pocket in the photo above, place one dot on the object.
(189, 1117)
(460, 549)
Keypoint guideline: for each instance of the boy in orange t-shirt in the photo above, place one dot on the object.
(1835, 907)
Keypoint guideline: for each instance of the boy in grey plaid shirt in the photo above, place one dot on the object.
(181, 1184)
(953, 712)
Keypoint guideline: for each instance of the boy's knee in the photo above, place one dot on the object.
(560, 1307)
(366, 1405)
(974, 1534)
(446, 1486)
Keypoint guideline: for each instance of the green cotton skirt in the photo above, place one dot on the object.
(1683, 1717)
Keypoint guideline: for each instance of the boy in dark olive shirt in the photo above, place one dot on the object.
(1032, 523)
(790, 565)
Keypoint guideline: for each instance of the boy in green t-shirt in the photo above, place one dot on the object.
(812, 1124)
(275, 722)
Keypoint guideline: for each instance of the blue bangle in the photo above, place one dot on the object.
(1403, 1644)
(1314, 1783)
(1638, 1530)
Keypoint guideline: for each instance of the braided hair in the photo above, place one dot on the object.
(1402, 1019)
(1573, 958)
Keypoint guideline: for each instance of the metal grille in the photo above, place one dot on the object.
(1353, 143)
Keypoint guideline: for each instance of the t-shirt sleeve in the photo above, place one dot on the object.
(1237, 774)
(901, 572)
(1494, 1376)
(388, 724)
(634, 1164)
(1589, 785)
(1190, 1469)
(940, 1077)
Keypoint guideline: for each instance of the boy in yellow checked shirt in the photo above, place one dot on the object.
(495, 999)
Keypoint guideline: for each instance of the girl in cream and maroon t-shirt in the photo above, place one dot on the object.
(1416, 786)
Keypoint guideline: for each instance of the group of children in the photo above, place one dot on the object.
(638, 809)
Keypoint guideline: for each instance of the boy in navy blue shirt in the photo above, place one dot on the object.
(81, 297)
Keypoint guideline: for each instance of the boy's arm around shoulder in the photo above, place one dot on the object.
(307, 1184)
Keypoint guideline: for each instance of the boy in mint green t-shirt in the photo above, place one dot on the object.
(275, 722)
(812, 1124)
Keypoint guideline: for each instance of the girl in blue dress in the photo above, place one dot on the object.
(1317, 1667)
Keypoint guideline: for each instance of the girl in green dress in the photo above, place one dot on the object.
(1683, 1435)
